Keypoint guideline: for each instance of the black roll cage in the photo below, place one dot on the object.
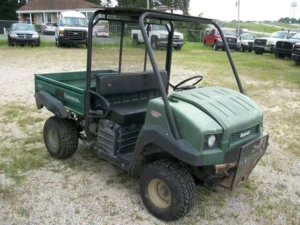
(139, 16)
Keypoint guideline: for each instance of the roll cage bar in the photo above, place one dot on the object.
(139, 16)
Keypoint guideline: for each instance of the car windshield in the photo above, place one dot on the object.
(279, 35)
(160, 27)
(228, 32)
(248, 37)
(27, 27)
(75, 22)
(296, 36)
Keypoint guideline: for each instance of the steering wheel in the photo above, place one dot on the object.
(187, 87)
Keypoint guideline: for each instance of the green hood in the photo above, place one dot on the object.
(234, 111)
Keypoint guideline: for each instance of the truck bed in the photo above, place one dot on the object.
(68, 87)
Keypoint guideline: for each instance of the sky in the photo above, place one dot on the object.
(257, 10)
(249, 9)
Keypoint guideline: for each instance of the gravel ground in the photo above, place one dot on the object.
(88, 190)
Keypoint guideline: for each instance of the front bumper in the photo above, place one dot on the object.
(24, 41)
(164, 43)
(283, 51)
(68, 40)
(249, 155)
(264, 49)
(296, 57)
(230, 45)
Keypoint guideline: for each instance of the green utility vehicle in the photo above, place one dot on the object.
(208, 135)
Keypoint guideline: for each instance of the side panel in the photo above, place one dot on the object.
(71, 98)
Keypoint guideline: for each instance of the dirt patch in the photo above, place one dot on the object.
(35, 189)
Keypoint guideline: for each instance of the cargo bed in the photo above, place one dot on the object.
(68, 87)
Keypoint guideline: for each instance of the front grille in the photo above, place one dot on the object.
(241, 136)
(231, 40)
(24, 35)
(75, 34)
(260, 42)
(284, 45)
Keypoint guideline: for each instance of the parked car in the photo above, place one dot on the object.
(266, 44)
(23, 34)
(101, 29)
(284, 48)
(50, 28)
(245, 42)
(158, 35)
(296, 53)
(213, 38)
(72, 29)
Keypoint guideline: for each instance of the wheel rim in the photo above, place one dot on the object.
(53, 139)
(154, 44)
(159, 193)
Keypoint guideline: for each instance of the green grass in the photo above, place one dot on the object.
(253, 27)
(285, 25)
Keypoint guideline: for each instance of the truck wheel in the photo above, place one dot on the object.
(204, 42)
(177, 48)
(297, 63)
(242, 48)
(135, 40)
(154, 43)
(57, 42)
(60, 137)
(167, 189)
(258, 52)
(215, 46)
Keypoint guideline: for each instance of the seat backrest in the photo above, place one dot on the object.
(124, 87)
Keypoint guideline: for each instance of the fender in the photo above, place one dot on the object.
(153, 134)
(54, 105)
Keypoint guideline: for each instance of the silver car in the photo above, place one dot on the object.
(23, 34)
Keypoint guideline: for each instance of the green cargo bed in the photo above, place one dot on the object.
(68, 87)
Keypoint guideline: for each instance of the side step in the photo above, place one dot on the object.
(123, 161)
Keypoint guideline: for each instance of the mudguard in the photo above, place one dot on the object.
(54, 105)
(153, 134)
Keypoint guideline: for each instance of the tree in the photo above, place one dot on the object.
(8, 9)
(94, 1)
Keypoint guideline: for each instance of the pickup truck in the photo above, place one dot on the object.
(284, 48)
(296, 53)
(266, 44)
(214, 39)
(158, 35)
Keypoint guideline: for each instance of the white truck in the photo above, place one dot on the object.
(72, 29)
(158, 34)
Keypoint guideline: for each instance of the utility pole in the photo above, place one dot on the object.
(238, 4)
(148, 4)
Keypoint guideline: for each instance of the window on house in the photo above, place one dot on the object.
(48, 15)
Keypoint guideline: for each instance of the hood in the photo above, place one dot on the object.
(229, 36)
(23, 32)
(234, 111)
(294, 41)
(167, 33)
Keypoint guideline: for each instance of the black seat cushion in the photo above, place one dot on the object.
(129, 94)
(129, 112)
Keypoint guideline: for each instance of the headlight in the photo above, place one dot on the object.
(61, 32)
(163, 36)
(35, 35)
(13, 35)
(211, 141)
(219, 39)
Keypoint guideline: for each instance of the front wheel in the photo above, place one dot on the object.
(57, 42)
(297, 63)
(258, 52)
(178, 48)
(167, 189)
(154, 43)
(60, 137)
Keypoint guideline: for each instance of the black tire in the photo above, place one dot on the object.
(57, 42)
(258, 52)
(154, 43)
(249, 50)
(204, 42)
(297, 63)
(60, 137)
(178, 48)
(178, 183)
(135, 40)
(242, 48)
(215, 47)
(280, 56)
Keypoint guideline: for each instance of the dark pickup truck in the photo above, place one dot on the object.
(284, 48)
(296, 53)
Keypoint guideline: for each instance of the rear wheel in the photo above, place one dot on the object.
(167, 189)
(154, 43)
(60, 137)
(215, 46)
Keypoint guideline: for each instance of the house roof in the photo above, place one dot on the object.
(57, 5)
